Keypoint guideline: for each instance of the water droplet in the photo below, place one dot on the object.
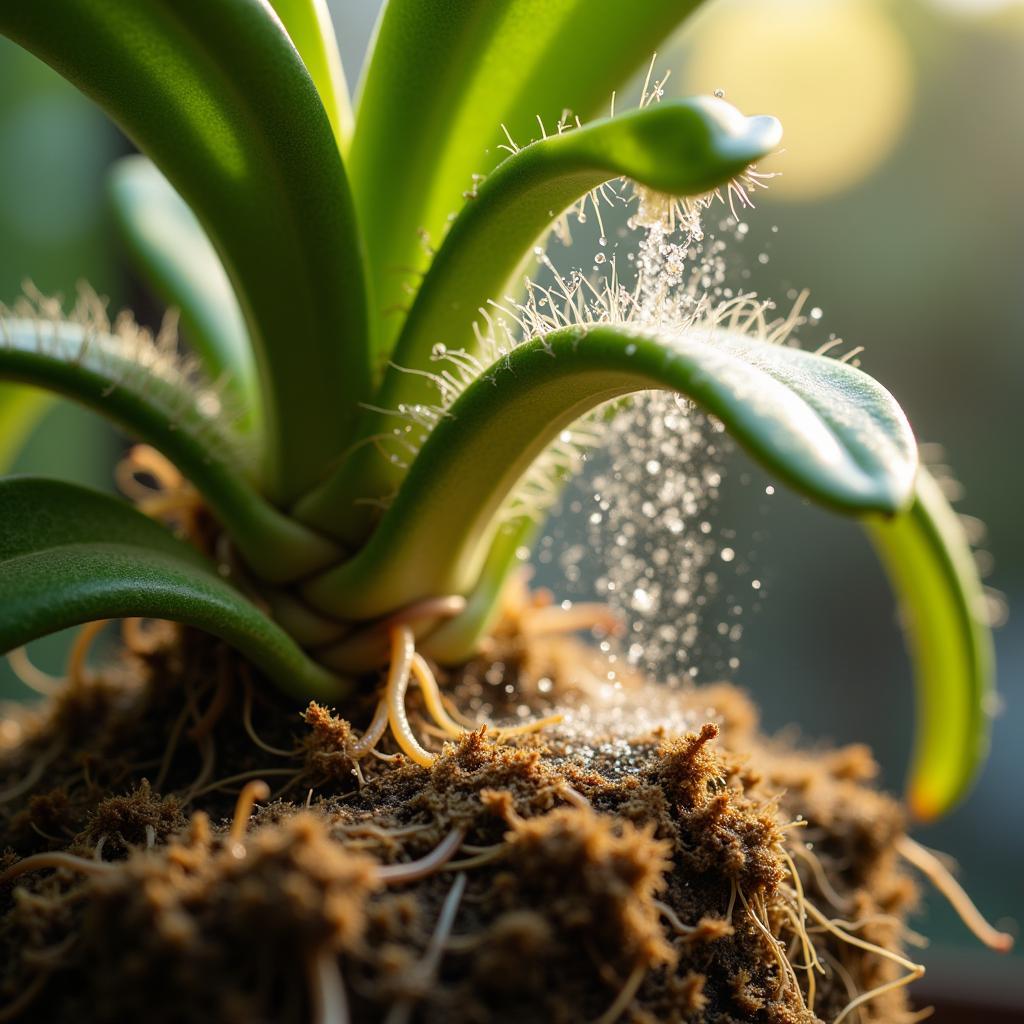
(720, 94)
(727, 554)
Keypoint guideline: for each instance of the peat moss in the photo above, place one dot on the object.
(644, 877)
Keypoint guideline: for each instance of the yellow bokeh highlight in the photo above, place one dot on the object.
(837, 73)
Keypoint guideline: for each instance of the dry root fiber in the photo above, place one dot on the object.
(176, 843)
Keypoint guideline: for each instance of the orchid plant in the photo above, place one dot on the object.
(356, 424)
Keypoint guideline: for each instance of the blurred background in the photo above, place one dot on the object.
(898, 204)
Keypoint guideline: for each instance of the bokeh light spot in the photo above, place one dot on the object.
(838, 73)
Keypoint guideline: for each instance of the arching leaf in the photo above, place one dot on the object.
(214, 92)
(942, 602)
(132, 381)
(427, 123)
(69, 555)
(822, 426)
(682, 149)
(185, 271)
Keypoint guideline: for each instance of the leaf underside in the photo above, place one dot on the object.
(820, 425)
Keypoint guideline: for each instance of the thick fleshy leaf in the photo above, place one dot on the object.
(427, 123)
(132, 381)
(456, 640)
(185, 271)
(214, 92)
(309, 25)
(824, 427)
(69, 555)
(685, 148)
(942, 602)
(21, 409)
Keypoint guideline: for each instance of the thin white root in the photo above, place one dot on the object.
(936, 872)
(252, 791)
(402, 651)
(501, 734)
(810, 953)
(432, 698)
(34, 678)
(554, 619)
(625, 997)
(401, 1012)
(55, 860)
(787, 975)
(77, 658)
(327, 989)
(413, 871)
(914, 971)
(250, 731)
(373, 733)
(673, 918)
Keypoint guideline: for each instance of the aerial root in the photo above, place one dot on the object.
(811, 961)
(625, 996)
(914, 971)
(327, 988)
(34, 678)
(208, 720)
(166, 496)
(787, 974)
(406, 666)
(413, 871)
(252, 791)
(77, 674)
(426, 969)
(402, 652)
(250, 731)
(939, 875)
(553, 619)
(56, 860)
(820, 878)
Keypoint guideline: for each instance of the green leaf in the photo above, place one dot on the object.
(135, 383)
(214, 92)
(456, 640)
(70, 555)
(308, 23)
(820, 425)
(21, 409)
(933, 574)
(443, 78)
(685, 148)
(185, 271)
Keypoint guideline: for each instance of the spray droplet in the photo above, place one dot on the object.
(720, 94)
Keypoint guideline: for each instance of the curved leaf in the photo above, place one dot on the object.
(216, 94)
(823, 426)
(69, 555)
(455, 641)
(683, 149)
(21, 409)
(128, 379)
(942, 601)
(308, 23)
(427, 123)
(185, 271)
